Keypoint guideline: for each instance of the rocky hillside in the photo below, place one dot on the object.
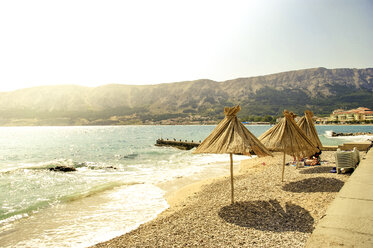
(318, 89)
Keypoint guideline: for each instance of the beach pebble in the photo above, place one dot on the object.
(266, 212)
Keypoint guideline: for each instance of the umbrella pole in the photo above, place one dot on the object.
(283, 168)
(232, 193)
(297, 166)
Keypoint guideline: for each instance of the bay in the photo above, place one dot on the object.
(114, 188)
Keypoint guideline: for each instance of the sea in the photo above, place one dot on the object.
(115, 187)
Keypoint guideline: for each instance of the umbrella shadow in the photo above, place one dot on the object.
(315, 184)
(268, 216)
(316, 170)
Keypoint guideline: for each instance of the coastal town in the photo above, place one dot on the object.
(359, 115)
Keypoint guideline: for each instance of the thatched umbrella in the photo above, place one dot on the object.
(306, 124)
(232, 137)
(286, 136)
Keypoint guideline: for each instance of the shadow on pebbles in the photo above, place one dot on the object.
(315, 184)
(268, 216)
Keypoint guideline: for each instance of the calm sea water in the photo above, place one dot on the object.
(114, 188)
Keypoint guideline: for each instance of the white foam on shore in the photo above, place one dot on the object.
(89, 220)
(100, 217)
(357, 138)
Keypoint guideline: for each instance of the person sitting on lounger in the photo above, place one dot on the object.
(311, 161)
(317, 155)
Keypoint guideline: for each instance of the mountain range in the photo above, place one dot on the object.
(318, 89)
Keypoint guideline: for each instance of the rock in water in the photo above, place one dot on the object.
(62, 168)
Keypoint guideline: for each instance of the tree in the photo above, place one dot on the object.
(268, 118)
(257, 118)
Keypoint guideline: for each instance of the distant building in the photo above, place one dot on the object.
(320, 120)
(359, 114)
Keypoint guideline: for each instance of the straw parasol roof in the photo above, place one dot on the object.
(232, 137)
(306, 124)
(287, 137)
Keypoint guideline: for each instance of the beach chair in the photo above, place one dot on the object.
(345, 160)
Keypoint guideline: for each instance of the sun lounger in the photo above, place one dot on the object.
(345, 160)
(356, 156)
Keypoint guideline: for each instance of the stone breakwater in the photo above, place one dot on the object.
(334, 134)
(184, 145)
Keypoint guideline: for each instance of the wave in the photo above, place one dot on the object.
(328, 133)
(104, 217)
(15, 215)
(97, 189)
(356, 138)
(130, 156)
(49, 165)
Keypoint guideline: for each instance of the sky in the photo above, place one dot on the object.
(92, 43)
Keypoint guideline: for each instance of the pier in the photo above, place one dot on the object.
(184, 145)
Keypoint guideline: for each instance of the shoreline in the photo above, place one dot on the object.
(179, 190)
(199, 213)
(187, 187)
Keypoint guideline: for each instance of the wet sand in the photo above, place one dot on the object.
(266, 212)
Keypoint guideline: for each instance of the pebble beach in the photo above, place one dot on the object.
(266, 212)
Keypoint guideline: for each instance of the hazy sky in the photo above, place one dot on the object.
(89, 42)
